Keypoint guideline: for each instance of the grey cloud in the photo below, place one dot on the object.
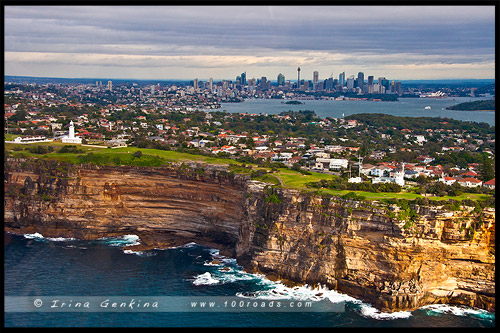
(376, 34)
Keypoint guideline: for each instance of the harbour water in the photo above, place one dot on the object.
(404, 107)
(41, 267)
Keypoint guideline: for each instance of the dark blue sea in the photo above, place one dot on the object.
(404, 107)
(50, 269)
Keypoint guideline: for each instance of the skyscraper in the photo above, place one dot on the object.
(361, 80)
(264, 84)
(110, 85)
(342, 79)
(211, 84)
(195, 84)
(370, 80)
(350, 82)
(328, 84)
(315, 80)
(281, 79)
(383, 82)
(244, 78)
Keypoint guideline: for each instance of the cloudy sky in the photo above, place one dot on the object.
(402, 43)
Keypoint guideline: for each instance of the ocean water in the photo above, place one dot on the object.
(41, 267)
(404, 107)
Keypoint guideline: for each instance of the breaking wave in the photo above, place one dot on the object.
(438, 309)
(38, 236)
(225, 270)
(121, 241)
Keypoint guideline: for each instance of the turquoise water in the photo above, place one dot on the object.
(404, 107)
(36, 266)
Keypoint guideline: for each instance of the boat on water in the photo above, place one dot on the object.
(427, 107)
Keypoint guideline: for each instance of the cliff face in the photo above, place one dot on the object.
(360, 250)
(165, 206)
(357, 248)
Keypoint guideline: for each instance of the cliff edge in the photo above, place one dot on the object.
(368, 250)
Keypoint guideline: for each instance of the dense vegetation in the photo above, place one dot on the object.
(419, 125)
(472, 106)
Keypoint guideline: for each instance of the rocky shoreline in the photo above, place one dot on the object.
(357, 248)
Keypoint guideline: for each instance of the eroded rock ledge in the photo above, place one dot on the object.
(354, 247)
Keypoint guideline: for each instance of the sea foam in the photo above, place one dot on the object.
(121, 241)
(437, 309)
(227, 271)
(39, 236)
(205, 279)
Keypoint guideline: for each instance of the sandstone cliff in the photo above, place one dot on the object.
(358, 248)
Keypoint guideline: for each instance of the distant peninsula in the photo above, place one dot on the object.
(293, 102)
(488, 105)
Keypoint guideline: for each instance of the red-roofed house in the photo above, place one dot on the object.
(470, 182)
(490, 184)
(448, 180)
(469, 174)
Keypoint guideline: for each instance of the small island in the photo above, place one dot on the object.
(487, 105)
(293, 102)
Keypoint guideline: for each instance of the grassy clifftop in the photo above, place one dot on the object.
(154, 158)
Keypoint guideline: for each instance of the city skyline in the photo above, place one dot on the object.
(167, 42)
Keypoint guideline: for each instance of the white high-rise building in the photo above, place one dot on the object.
(315, 80)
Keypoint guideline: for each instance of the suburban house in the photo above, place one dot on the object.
(281, 157)
(411, 174)
(366, 168)
(448, 180)
(490, 184)
(380, 169)
(331, 163)
(470, 182)
(31, 139)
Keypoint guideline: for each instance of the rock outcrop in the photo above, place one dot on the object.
(363, 249)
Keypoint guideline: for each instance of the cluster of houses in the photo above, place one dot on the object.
(412, 171)
(287, 152)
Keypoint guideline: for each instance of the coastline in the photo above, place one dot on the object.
(288, 289)
(298, 237)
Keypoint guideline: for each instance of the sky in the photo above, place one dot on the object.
(187, 42)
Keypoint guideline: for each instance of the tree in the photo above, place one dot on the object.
(138, 154)
(18, 116)
(487, 170)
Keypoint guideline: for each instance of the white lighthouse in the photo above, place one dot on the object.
(71, 138)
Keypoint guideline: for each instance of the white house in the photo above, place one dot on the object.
(366, 169)
(470, 182)
(396, 177)
(420, 139)
(448, 180)
(31, 139)
(331, 163)
(379, 170)
(282, 157)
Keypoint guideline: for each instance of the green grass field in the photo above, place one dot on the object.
(154, 157)
(294, 179)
